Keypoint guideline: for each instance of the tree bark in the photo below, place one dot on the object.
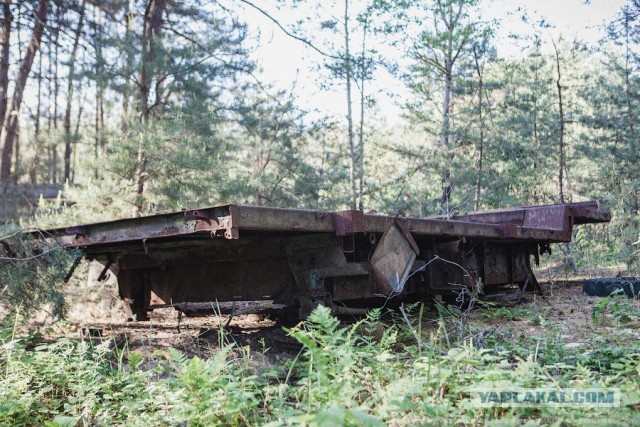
(56, 91)
(630, 112)
(76, 134)
(68, 137)
(627, 71)
(150, 40)
(536, 139)
(348, 77)
(49, 145)
(561, 136)
(128, 17)
(451, 20)
(140, 177)
(99, 70)
(481, 119)
(10, 125)
(33, 171)
(56, 81)
(5, 46)
(363, 75)
(444, 137)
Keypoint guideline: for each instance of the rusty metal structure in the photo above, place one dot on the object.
(301, 258)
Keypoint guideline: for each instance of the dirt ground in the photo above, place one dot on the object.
(95, 313)
(562, 310)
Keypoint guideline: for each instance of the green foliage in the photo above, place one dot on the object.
(620, 309)
(215, 391)
(367, 373)
(337, 366)
(33, 269)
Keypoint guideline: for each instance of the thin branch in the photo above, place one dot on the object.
(287, 32)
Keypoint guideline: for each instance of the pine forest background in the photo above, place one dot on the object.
(138, 107)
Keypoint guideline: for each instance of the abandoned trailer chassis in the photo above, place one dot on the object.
(301, 258)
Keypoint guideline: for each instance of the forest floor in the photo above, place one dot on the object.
(578, 321)
(415, 367)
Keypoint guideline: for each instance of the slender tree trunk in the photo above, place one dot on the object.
(10, 126)
(446, 105)
(561, 136)
(444, 137)
(128, 17)
(630, 112)
(56, 81)
(5, 46)
(348, 77)
(68, 137)
(56, 91)
(76, 134)
(17, 157)
(49, 145)
(33, 173)
(49, 84)
(446, 117)
(363, 79)
(150, 41)
(160, 76)
(481, 118)
(140, 176)
(536, 139)
(99, 114)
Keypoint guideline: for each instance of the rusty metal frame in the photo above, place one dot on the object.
(307, 257)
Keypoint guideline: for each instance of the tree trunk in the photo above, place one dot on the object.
(76, 134)
(537, 150)
(99, 105)
(363, 74)
(140, 177)
(481, 119)
(56, 81)
(150, 41)
(128, 17)
(17, 158)
(627, 70)
(35, 167)
(348, 77)
(10, 126)
(561, 136)
(56, 91)
(630, 112)
(49, 145)
(70, 80)
(5, 46)
(444, 137)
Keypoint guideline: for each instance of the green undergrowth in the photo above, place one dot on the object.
(416, 370)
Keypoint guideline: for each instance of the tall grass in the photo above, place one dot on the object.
(368, 373)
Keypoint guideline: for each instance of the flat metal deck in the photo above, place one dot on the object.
(551, 223)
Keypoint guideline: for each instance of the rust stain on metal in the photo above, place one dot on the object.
(348, 222)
